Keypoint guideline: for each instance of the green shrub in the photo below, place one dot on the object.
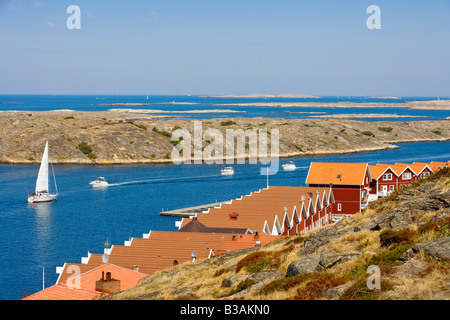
(385, 129)
(164, 133)
(389, 256)
(368, 133)
(227, 123)
(85, 148)
(287, 283)
(389, 237)
(316, 288)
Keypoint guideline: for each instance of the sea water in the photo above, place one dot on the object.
(37, 238)
(194, 102)
(41, 237)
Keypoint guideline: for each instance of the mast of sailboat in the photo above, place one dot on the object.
(54, 179)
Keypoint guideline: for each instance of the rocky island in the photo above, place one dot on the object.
(124, 137)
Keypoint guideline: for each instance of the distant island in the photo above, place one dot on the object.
(385, 98)
(364, 116)
(412, 105)
(259, 96)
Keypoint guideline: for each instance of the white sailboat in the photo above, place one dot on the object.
(41, 192)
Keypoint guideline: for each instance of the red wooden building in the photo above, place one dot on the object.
(350, 183)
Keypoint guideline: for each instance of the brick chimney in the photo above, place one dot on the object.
(108, 284)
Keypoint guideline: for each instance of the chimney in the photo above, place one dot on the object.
(233, 215)
(108, 284)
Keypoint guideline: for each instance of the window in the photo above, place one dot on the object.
(387, 176)
(391, 188)
(339, 206)
(425, 174)
(406, 176)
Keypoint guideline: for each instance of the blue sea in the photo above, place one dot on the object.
(191, 102)
(37, 238)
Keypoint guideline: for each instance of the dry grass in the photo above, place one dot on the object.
(364, 241)
(205, 279)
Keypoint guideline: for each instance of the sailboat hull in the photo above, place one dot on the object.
(44, 197)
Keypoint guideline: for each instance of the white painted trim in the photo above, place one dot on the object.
(59, 271)
(266, 229)
(85, 260)
(277, 229)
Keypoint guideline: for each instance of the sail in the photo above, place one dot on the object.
(42, 180)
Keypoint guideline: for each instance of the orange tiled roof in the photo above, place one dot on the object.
(398, 168)
(434, 165)
(82, 287)
(262, 209)
(416, 167)
(336, 173)
(377, 171)
(163, 247)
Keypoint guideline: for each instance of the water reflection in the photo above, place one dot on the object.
(43, 227)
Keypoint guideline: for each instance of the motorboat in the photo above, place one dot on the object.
(41, 191)
(227, 171)
(288, 166)
(99, 182)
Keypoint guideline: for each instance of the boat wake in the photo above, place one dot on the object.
(161, 180)
(236, 176)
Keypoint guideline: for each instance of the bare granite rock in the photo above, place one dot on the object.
(118, 136)
(438, 249)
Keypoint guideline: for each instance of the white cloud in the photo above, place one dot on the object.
(150, 16)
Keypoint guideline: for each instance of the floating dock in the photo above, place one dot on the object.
(191, 211)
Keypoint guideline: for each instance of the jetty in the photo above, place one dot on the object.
(191, 211)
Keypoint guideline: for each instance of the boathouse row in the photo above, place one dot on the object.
(354, 185)
(274, 210)
(334, 190)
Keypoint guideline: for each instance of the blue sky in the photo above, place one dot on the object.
(225, 47)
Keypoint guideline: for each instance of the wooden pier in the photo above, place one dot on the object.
(191, 211)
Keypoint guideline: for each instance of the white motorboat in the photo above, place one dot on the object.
(288, 166)
(227, 171)
(41, 192)
(99, 182)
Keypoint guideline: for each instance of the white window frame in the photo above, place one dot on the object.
(406, 176)
(339, 207)
(387, 176)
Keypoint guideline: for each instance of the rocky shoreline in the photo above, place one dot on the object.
(120, 137)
